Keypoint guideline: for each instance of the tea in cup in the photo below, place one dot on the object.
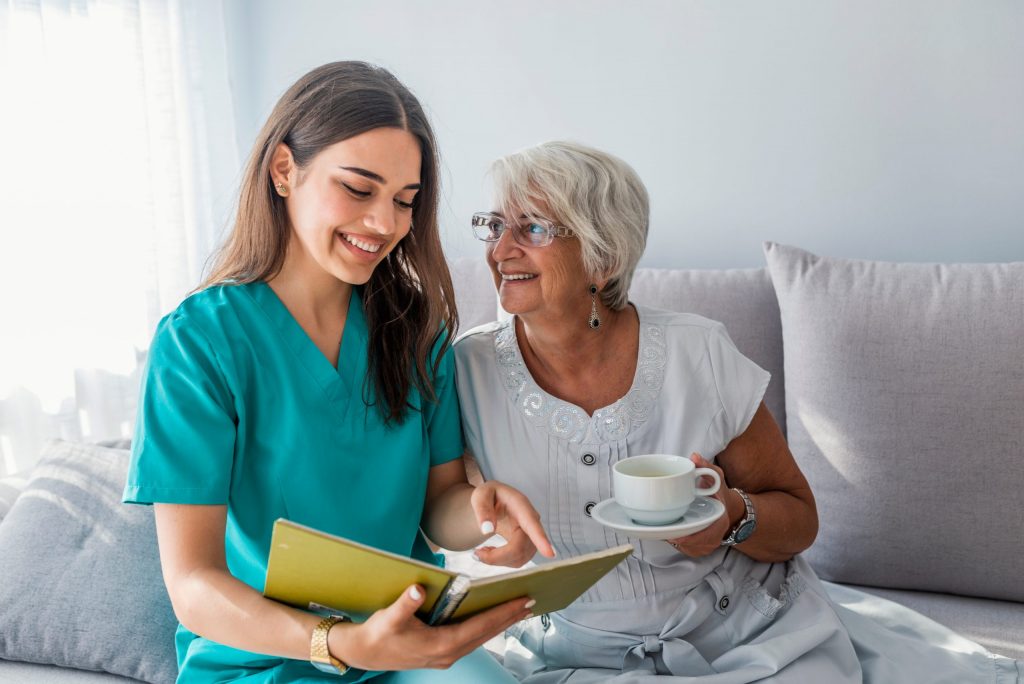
(657, 489)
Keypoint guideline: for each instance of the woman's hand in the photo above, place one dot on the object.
(505, 510)
(395, 639)
(760, 463)
(708, 540)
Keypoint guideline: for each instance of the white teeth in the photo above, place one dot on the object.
(365, 246)
(517, 276)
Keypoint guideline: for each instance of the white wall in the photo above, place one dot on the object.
(869, 129)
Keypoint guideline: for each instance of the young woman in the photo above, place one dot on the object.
(310, 378)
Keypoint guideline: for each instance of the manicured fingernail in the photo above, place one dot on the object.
(415, 594)
(530, 604)
(476, 557)
(487, 527)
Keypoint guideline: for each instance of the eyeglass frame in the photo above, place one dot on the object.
(552, 229)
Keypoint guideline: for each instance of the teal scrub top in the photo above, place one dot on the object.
(239, 407)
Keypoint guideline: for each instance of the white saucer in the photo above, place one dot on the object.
(703, 511)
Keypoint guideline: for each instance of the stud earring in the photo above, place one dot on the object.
(595, 321)
(281, 189)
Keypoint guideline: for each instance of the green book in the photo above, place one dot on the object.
(322, 572)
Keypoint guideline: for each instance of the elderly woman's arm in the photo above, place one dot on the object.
(760, 463)
(456, 511)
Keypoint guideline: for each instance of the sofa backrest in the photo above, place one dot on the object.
(742, 299)
(475, 296)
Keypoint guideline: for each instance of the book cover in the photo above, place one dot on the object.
(317, 571)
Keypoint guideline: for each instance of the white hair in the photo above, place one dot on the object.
(596, 195)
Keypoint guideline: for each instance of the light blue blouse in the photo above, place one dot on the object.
(239, 407)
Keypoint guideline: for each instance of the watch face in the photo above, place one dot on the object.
(745, 530)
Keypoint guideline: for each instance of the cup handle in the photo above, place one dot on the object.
(708, 491)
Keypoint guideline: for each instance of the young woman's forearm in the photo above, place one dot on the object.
(216, 606)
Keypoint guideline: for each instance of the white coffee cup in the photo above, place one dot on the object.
(657, 489)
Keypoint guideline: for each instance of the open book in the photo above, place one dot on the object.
(322, 572)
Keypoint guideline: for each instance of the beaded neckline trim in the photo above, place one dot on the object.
(567, 421)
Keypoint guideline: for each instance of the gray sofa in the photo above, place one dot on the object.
(900, 388)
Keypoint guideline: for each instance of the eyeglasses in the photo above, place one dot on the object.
(529, 232)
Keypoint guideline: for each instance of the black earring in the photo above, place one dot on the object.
(595, 321)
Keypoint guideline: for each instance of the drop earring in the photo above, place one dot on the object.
(595, 321)
(281, 189)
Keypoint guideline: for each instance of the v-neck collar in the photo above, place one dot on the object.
(339, 384)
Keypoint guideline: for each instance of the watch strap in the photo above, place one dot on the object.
(319, 653)
(749, 518)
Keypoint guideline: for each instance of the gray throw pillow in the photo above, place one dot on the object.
(81, 583)
(10, 489)
(905, 409)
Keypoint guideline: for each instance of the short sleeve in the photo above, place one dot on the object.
(444, 421)
(185, 428)
(740, 382)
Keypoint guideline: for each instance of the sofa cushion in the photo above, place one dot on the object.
(996, 625)
(81, 585)
(742, 299)
(905, 409)
(12, 672)
(10, 488)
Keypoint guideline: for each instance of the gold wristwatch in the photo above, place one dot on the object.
(319, 655)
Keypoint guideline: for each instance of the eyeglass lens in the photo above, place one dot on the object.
(532, 232)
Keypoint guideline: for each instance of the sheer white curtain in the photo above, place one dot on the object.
(118, 156)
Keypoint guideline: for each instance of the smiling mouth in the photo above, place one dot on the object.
(517, 276)
(371, 247)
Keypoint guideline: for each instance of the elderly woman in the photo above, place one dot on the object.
(578, 379)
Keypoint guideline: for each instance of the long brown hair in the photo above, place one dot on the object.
(409, 302)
